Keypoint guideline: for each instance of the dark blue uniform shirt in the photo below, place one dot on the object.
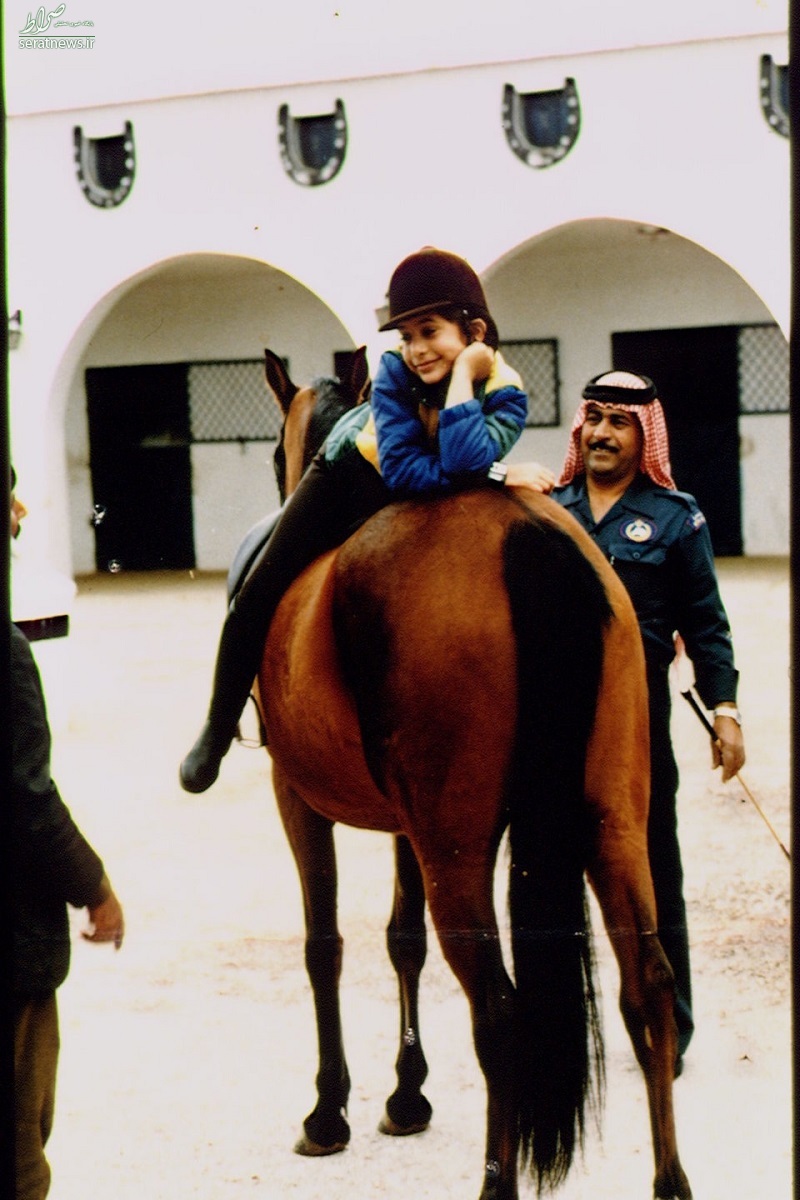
(658, 542)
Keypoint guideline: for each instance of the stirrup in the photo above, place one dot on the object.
(251, 743)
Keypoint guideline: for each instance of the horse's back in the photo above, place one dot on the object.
(424, 625)
(392, 666)
(400, 640)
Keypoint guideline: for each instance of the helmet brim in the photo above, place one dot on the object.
(393, 322)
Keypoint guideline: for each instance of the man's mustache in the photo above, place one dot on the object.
(601, 444)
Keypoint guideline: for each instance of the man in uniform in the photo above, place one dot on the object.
(616, 480)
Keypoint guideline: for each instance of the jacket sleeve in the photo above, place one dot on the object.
(473, 435)
(470, 435)
(702, 620)
(50, 850)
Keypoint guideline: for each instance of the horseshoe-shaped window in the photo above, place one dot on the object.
(541, 127)
(775, 94)
(105, 166)
(312, 148)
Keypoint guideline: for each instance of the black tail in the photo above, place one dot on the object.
(559, 610)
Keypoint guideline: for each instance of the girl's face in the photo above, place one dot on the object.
(430, 345)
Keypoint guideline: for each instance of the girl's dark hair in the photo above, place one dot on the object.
(464, 316)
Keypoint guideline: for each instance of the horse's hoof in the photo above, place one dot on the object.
(673, 1185)
(311, 1149)
(390, 1127)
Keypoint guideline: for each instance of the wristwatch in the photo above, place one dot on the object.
(497, 474)
(728, 710)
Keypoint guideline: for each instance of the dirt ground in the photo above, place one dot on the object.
(188, 1058)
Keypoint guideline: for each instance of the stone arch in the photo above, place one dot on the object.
(200, 307)
(586, 280)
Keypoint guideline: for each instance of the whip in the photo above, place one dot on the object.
(709, 728)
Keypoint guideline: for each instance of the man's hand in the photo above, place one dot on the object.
(728, 749)
(106, 918)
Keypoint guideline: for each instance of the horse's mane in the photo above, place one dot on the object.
(334, 399)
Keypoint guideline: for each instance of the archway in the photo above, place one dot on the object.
(597, 287)
(169, 423)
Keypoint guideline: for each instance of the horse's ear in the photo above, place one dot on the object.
(279, 381)
(360, 383)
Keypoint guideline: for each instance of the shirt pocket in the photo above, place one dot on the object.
(646, 554)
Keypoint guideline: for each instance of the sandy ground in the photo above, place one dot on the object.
(188, 1058)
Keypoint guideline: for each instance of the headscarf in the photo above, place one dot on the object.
(613, 389)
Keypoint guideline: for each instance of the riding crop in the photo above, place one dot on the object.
(709, 728)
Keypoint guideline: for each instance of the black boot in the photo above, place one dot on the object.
(237, 665)
(201, 766)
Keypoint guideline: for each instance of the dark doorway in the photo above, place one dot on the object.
(696, 372)
(141, 467)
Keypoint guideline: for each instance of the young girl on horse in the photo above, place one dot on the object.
(445, 409)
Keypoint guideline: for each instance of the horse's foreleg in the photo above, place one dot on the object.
(407, 1110)
(325, 1130)
(622, 885)
(467, 930)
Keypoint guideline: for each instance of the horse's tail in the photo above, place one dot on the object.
(559, 611)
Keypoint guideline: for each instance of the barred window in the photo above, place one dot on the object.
(537, 362)
(763, 370)
(230, 402)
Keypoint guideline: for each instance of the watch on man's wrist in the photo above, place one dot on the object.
(497, 474)
(728, 710)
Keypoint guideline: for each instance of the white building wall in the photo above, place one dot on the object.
(672, 136)
(765, 463)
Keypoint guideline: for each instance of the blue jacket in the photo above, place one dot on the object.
(658, 542)
(396, 433)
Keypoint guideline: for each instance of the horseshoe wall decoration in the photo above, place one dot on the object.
(312, 148)
(775, 94)
(105, 166)
(541, 127)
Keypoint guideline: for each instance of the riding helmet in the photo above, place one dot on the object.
(432, 280)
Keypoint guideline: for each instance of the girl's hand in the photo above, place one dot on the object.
(530, 475)
(477, 359)
(473, 364)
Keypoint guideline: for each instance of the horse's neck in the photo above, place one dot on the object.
(430, 420)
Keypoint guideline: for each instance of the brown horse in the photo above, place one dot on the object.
(461, 667)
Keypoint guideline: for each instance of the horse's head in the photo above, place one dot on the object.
(309, 413)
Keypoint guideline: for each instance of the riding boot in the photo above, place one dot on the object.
(236, 668)
(329, 503)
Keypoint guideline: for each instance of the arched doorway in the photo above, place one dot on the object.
(139, 421)
(697, 370)
(612, 292)
(170, 425)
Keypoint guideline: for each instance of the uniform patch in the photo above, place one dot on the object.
(638, 530)
(696, 521)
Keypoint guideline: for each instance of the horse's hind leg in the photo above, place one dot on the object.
(325, 1130)
(620, 878)
(407, 1110)
(462, 908)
